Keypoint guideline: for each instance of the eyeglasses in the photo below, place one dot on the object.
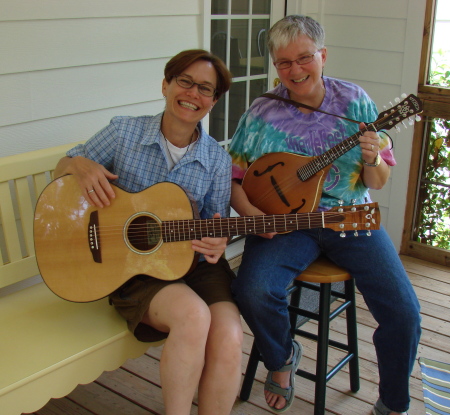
(187, 83)
(303, 60)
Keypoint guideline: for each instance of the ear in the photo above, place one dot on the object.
(165, 84)
(324, 53)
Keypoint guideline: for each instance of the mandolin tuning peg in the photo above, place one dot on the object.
(418, 118)
(411, 120)
(397, 100)
(403, 95)
(397, 128)
(404, 125)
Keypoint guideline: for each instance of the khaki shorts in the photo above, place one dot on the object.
(212, 283)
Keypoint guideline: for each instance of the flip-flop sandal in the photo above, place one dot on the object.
(289, 392)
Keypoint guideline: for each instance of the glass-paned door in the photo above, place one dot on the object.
(238, 36)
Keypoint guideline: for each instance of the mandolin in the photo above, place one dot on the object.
(85, 253)
(290, 183)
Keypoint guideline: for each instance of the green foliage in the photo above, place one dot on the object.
(433, 227)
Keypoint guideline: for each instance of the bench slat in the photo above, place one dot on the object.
(8, 221)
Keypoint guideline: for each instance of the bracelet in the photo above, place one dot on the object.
(377, 161)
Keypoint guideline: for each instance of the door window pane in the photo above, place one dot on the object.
(217, 120)
(219, 39)
(240, 7)
(259, 59)
(261, 7)
(257, 88)
(238, 47)
(219, 7)
(237, 105)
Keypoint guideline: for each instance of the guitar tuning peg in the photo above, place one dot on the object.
(411, 120)
(404, 125)
(342, 234)
(368, 233)
(391, 104)
(356, 233)
(397, 100)
(403, 95)
(353, 201)
(418, 118)
(397, 128)
(384, 107)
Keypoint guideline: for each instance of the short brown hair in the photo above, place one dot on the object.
(186, 58)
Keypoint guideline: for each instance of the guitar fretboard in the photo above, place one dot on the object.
(184, 230)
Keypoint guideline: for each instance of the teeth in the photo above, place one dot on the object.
(186, 104)
(301, 80)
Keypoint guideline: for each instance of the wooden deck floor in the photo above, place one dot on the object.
(135, 387)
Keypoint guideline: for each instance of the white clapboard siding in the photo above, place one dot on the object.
(67, 129)
(46, 94)
(72, 9)
(346, 31)
(47, 44)
(360, 8)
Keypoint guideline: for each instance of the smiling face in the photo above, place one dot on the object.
(304, 82)
(189, 105)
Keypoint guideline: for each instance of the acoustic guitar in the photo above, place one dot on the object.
(84, 253)
(290, 183)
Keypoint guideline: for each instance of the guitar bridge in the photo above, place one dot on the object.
(94, 237)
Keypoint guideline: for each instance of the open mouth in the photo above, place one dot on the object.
(188, 105)
(299, 81)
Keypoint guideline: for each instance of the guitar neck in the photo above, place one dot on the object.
(359, 217)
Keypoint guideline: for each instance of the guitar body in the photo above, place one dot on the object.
(272, 184)
(66, 249)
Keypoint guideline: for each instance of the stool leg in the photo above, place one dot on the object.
(352, 335)
(250, 373)
(296, 294)
(322, 348)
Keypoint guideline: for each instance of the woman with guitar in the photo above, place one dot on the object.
(196, 314)
(307, 118)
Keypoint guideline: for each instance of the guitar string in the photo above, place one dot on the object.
(144, 231)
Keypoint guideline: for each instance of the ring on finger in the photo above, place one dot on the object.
(372, 146)
(92, 190)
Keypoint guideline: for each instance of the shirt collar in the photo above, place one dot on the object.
(200, 151)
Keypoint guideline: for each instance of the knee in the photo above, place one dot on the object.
(225, 347)
(193, 323)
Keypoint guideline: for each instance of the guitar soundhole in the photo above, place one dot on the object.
(144, 233)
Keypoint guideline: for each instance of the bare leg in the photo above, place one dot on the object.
(221, 376)
(178, 310)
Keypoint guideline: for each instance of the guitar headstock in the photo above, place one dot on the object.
(406, 108)
(365, 217)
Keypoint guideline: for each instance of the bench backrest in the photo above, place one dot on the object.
(22, 179)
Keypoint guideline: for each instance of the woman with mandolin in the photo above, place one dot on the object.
(306, 116)
(196, 314)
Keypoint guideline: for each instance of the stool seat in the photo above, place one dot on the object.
(322, 270)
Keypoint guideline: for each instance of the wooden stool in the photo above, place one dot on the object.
(318, 277)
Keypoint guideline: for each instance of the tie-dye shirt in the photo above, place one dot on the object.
(274, 126)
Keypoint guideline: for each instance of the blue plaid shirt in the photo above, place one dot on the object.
(131, 147)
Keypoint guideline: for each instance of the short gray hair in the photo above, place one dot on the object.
(290, 28)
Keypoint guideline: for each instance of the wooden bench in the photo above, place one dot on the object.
(48, 345)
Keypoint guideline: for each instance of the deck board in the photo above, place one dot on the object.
(135, 387)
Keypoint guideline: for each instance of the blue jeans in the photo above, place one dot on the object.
(270, 265)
